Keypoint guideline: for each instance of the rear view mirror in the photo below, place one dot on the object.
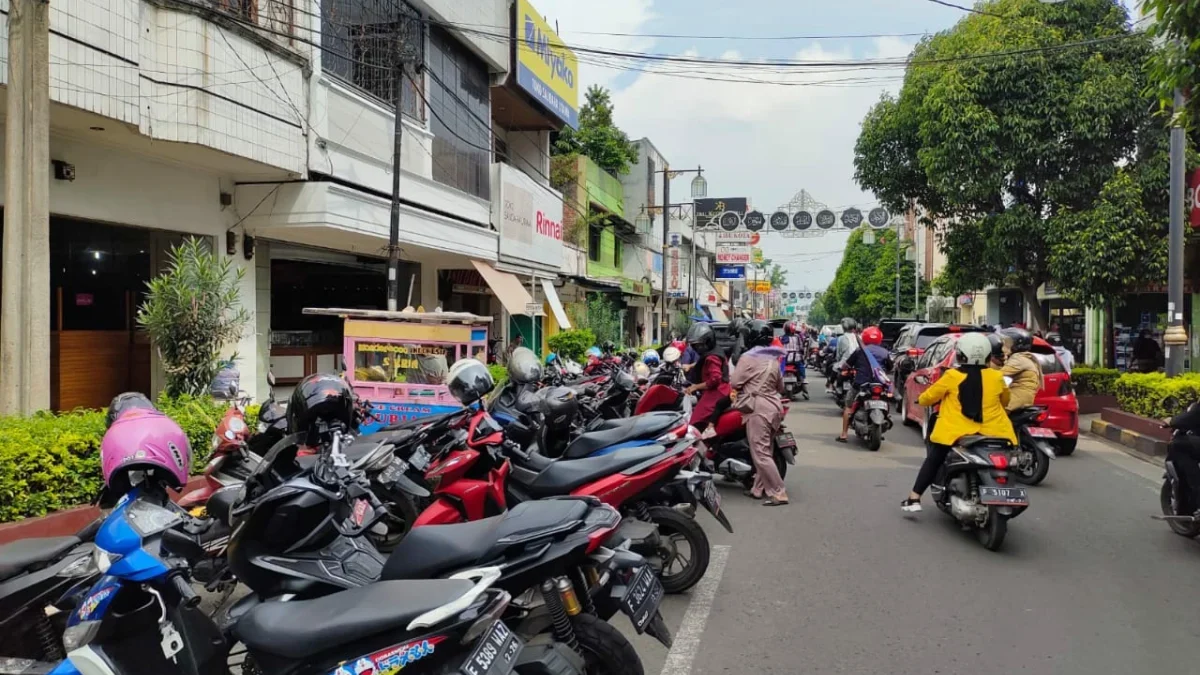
(921, 380)
(271, 378)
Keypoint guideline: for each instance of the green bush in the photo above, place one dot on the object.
(1146, 394)
(572, 344)
(1091, 381)
(499, 373)
(50, 462)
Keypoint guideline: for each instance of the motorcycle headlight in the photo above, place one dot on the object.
(83, 567)
(80, 635)
(103, 560)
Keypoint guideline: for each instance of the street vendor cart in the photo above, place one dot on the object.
(399, 361)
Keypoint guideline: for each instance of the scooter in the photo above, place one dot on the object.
(728, 449)
(794, 382)
(1036, 450)
(872, 414)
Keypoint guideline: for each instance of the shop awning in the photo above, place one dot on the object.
(560, 315)
(506, 286)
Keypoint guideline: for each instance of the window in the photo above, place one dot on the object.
(500, 150)
(360, 43)
(242, 9)
(460, 115)
(594, 244)
(618, 246)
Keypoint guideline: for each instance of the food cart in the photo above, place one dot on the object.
(399, 361)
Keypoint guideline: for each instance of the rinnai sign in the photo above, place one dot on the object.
(1192, 199)
(529, 218)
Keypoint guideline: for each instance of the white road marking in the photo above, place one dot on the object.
(687, 641)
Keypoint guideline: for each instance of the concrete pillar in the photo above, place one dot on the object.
(262, 313)
(429, 286)
(25, 323)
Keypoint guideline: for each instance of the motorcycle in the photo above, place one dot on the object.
(872, 414)
(142, 616)
(1171, 497)
(551, 555)
(1036, 445)
(972, 486)
(794, 383)
(728, 449)
(841, 387)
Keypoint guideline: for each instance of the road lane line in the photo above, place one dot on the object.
(687, 641)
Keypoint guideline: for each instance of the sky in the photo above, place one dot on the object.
(762, 141)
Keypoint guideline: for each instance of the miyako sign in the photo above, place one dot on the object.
(529, 217)
(545, 67)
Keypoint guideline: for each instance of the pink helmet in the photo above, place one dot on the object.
(145, 440)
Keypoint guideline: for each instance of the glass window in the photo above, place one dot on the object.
(1050, 364)
(926, 338)
(594, 244)
(460, 115)
(361, 41)
(403, 362)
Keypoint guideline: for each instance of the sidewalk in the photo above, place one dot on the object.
(1130, 442)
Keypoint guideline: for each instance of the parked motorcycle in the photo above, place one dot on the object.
(872, 414)
(972, 486)
(728, 449)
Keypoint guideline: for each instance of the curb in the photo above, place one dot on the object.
(1146, 447)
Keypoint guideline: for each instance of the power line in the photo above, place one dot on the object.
(972, 10)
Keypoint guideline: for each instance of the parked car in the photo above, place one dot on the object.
(911, 343)
(891, 329)
(1057, 393)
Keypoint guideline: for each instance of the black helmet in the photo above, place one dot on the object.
(1018, 339)
(524, 366)
(849, 324)
(702, 338)
(1054, 339)
(737, 327)
(759, 333)
(608, 347)
(321, 401)
(558, 406)
(470, 380)
(272, 416)
(997, 345)
(130, 400)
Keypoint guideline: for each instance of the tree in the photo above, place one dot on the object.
(597, 136)
(864, 286)
(1176, 64)
(192, 311)
(1006, 126)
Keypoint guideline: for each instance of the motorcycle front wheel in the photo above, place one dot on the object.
(1166, 498)
(992, 534)
(678, 571)
(1036, 472)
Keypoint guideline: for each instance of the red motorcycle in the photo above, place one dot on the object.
(487, 474)
(231, 461)
(728, 451)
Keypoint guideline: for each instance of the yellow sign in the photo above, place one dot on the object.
(546, 68)
(759, 286)
(757, 255)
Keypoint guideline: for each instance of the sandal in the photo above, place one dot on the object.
(776, 502)
(839, 439)
(750, 494)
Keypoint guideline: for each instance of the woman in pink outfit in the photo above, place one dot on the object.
(758, 384)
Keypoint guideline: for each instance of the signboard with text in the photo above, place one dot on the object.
(708, 211)
(674, 273)
(546, 68)
(731, 272)
(529, 218)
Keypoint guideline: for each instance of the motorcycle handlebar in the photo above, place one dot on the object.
(188, 597)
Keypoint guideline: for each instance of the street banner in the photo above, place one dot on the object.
(674, 274)
(709, 211)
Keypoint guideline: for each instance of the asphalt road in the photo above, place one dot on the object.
(841, 581)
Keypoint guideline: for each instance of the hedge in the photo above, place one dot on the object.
(1145, 394)
(572, 344)
(1094, 381)
(50, 462)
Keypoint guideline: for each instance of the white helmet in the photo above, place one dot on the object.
(671, 354)
(973, 349)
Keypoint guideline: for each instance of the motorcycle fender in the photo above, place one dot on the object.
(697, 483)
(788, 455)
(1046, 449)
(877, 417)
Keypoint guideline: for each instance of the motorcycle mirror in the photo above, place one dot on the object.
(270, 378)
(922, 380)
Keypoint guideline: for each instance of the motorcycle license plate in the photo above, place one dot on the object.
(495, 653)
(394, 471)
(877, 405)
(1003, 496)
(642, 599)
(1039, 432)
(785, 440)
(789, 379)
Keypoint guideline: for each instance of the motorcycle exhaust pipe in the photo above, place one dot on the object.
(735, 467)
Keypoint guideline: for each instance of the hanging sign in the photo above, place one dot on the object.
(802, 220)
(730, 221)
(674, 274)
(878, 218)
(852, 218)
(754, 221)
(780, 220)
(731, 272)
(826, 219)
(757, 255)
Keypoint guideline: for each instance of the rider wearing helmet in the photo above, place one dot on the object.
(996, 360)
(758, 384)
(1064, 354)
(1021, 366)
(870, 362)
(709, 377)
(972, 398)
(847, 343)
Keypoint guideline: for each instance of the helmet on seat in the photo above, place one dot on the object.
(558, 406)
(147, 446)
(872, 336)
(759, 333)
(1018, 339)
(123, 403)
(470, 380)
(973, 349)
(593, 353)
(650, 357)
(321, 401)
(701, 337)
(523, 366)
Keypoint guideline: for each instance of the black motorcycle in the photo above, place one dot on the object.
(302, 536)
(1181, 520)
(1035, 451)
(872, 414)
(973, 486)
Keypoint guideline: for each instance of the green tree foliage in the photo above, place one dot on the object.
(572, 344)
(599, 316)
(598, 137)
(192, 311)
(1005, 130)
(1177, 64)
(864, 286)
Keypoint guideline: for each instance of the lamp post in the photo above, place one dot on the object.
(699, 191)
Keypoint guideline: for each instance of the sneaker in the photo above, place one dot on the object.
(910, 506)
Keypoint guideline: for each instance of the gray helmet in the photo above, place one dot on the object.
(524, 366)
(849, 325)
(974, 349)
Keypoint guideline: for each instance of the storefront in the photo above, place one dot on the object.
(1066, 318)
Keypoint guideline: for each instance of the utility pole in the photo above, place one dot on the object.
(899, 253)
(1175, 337)
(666, 213)
(25, 324)
(393, 287)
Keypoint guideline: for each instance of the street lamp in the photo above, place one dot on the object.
(699, 186)
(642, 222)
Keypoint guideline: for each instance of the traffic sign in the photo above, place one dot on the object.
(826, 219)
(754, 221)
(852, 218)
(878, 217)
(802, 220)
(780, 220)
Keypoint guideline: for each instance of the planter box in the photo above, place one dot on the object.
(1090, 404)
(63, 523)
(1136, 423)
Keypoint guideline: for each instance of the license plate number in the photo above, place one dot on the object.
(789, 379)
(394, 471)
(419, 459)
(1006, 496)
(785, 440)
(642, 599)
(495, 653)
(712, 498)
(1039, 432)
(877, 405)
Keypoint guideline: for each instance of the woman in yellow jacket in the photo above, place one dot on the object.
(972, 398)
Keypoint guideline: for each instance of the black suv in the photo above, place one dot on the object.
(911, 343)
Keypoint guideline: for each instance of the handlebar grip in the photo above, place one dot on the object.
(187, 596)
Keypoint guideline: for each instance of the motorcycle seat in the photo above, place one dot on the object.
(614, 432)
(564, 475)
(437, 550)
(299, 629)
(26, 553)
(1026, 414)
(973, 441)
